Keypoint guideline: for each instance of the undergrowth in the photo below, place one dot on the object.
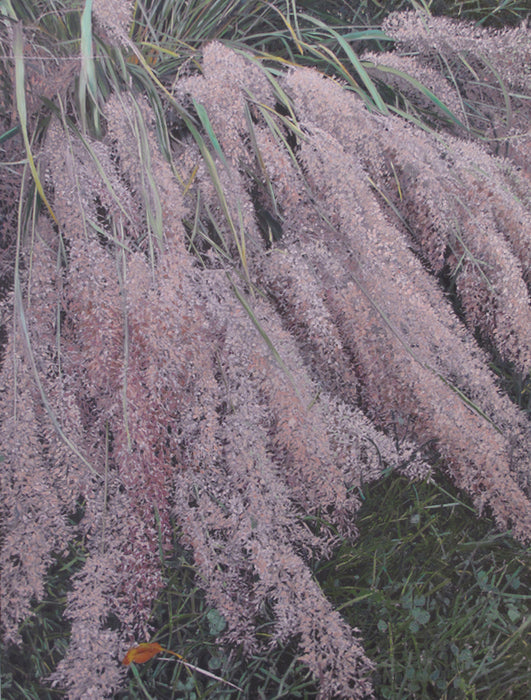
(441, 598)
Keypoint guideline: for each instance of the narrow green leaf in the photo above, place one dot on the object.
(379, 103)
(265, 337)
(421, 88)
(20, 95)
(205, 121)
(19, 306)
(87, 75)
(9, 133)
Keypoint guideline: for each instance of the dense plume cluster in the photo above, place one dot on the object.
(234, 382)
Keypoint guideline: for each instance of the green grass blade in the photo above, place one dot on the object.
(205, 121)
(19, 307)
(20, 94)
(421, 88)
(265, 337)
(87, 75)
(9, 133)
(371, 87)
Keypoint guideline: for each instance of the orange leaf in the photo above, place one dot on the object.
(142, 652)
